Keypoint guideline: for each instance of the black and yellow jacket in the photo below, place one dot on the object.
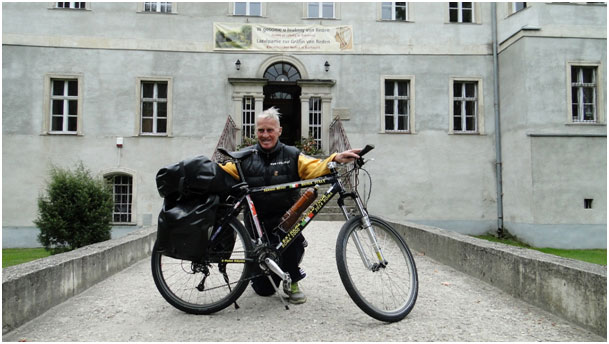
(282, 164)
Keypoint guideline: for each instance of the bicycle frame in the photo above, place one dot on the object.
(335, 188)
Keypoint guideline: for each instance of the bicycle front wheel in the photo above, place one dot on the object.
(211, 285)
(385, 290)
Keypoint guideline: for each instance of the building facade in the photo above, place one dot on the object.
(127, 88)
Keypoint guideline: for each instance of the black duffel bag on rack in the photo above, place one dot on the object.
(192, 190)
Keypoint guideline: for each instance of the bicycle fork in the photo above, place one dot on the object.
(381, 262)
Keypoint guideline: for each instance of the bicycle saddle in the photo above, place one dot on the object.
(236, 155)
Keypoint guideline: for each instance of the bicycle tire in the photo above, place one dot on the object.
(177, 280)
(389, 293)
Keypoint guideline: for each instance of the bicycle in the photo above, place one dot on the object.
(375, 265)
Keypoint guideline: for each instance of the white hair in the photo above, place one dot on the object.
(270, 113)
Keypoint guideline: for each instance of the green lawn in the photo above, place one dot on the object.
(596, 256)
(14, 256)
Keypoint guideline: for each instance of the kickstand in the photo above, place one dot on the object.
(278, 292)
(222, 269)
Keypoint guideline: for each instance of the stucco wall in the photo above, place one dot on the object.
(551, 165)
(429, 177)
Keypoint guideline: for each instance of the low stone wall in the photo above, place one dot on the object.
(574, 290)
(30, 289)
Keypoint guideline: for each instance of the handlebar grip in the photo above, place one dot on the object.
(366, 149)
(360, 161)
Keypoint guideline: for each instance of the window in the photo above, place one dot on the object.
(158, 7)
(71, 5)
(155, 107)
(465, 107)
(461, 12)
(122, 194)
(248, 9)
(64, 105)
(249, 118)
(315, 120)
(584, 94)
(518, 6)
(397, 105)
(282, 71)
(397, 11)
(320, 10)
(588, 203)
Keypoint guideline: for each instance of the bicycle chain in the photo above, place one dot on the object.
(232, 283)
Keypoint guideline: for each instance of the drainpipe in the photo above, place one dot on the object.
(498, 162)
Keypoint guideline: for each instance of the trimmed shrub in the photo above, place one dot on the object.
(76, 211)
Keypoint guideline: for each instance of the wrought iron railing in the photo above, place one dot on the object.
(338, 138)
(339, 142)
(228, 139)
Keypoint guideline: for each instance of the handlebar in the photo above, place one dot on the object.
(360, 162)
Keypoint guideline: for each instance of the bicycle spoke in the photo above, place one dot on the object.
(387, 291)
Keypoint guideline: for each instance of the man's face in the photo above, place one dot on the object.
(268, 132)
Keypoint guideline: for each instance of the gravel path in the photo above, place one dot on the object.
(451, 306)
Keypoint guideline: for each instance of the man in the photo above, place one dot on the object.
(276, 163)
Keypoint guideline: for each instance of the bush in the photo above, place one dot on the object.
(76, 211)
(309, 146)
(247, 142)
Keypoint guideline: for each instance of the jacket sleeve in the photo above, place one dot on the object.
(231, 169)
(309, 167)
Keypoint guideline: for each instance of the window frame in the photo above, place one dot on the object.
(109, 176)
(410, 121)
(393, 12)
(233, 9)
(141, 7)
(169, 101)
(55, 5)
(598, 95)
(315, 114)
(474, 15)
(48, 103)
(320, 10)
(479, 116)
(248, 127)
(514, 8)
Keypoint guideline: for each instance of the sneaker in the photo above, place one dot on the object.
(296, 296)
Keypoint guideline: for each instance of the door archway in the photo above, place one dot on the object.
(283, 93)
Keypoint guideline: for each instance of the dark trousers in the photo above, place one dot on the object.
(289, 260)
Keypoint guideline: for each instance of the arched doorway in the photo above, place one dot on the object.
(283, 93)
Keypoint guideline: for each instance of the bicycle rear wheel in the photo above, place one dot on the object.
(386, 292)
(209, 286)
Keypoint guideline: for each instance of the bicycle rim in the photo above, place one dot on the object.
(186, 287)
(390, 292)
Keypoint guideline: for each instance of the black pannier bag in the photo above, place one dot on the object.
(195, 175)
(192, 190)
(185, 225)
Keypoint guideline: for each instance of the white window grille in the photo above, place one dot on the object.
(315, 120)
(159, 7)
(461, 12)
(248, 9)
(465, 106)
(71, 5)
(583, 94)
(153, 107)
(122, 194)
(394, 11)
(64, 105)
(320, 10)
(397, 105)
(249, 117)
